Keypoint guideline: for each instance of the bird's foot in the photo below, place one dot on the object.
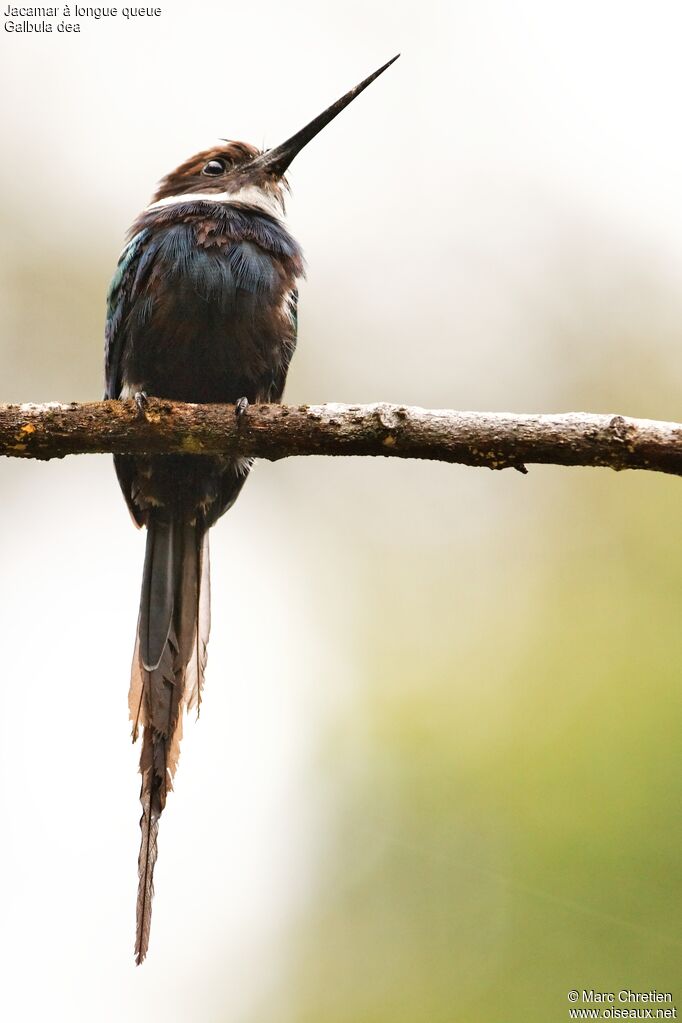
(240, 407)
(141, 399)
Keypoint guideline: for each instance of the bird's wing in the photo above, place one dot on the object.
(121, 295)
(124, 288)
(279, 377)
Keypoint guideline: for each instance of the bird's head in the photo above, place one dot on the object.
(239, 172)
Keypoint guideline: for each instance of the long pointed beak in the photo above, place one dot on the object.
(275, 161)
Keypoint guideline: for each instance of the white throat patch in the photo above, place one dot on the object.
(250, 196)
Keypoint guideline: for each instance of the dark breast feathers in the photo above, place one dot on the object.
(202, 308)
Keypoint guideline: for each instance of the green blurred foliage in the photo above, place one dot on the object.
(508, 825)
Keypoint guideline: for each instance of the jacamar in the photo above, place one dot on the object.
(202, 308)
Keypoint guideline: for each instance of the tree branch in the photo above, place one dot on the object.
(498, 440)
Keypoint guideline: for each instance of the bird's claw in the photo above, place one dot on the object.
(141, 399)
(240, 408)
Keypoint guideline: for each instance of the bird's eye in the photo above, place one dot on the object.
(213, 168)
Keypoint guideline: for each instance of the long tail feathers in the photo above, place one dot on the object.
(149, 825)
(167, 672)
(202, 627)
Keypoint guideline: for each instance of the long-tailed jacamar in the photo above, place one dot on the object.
(202, 308)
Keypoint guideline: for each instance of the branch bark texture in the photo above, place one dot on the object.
(498, 440)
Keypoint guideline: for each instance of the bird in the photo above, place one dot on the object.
(202, 308)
